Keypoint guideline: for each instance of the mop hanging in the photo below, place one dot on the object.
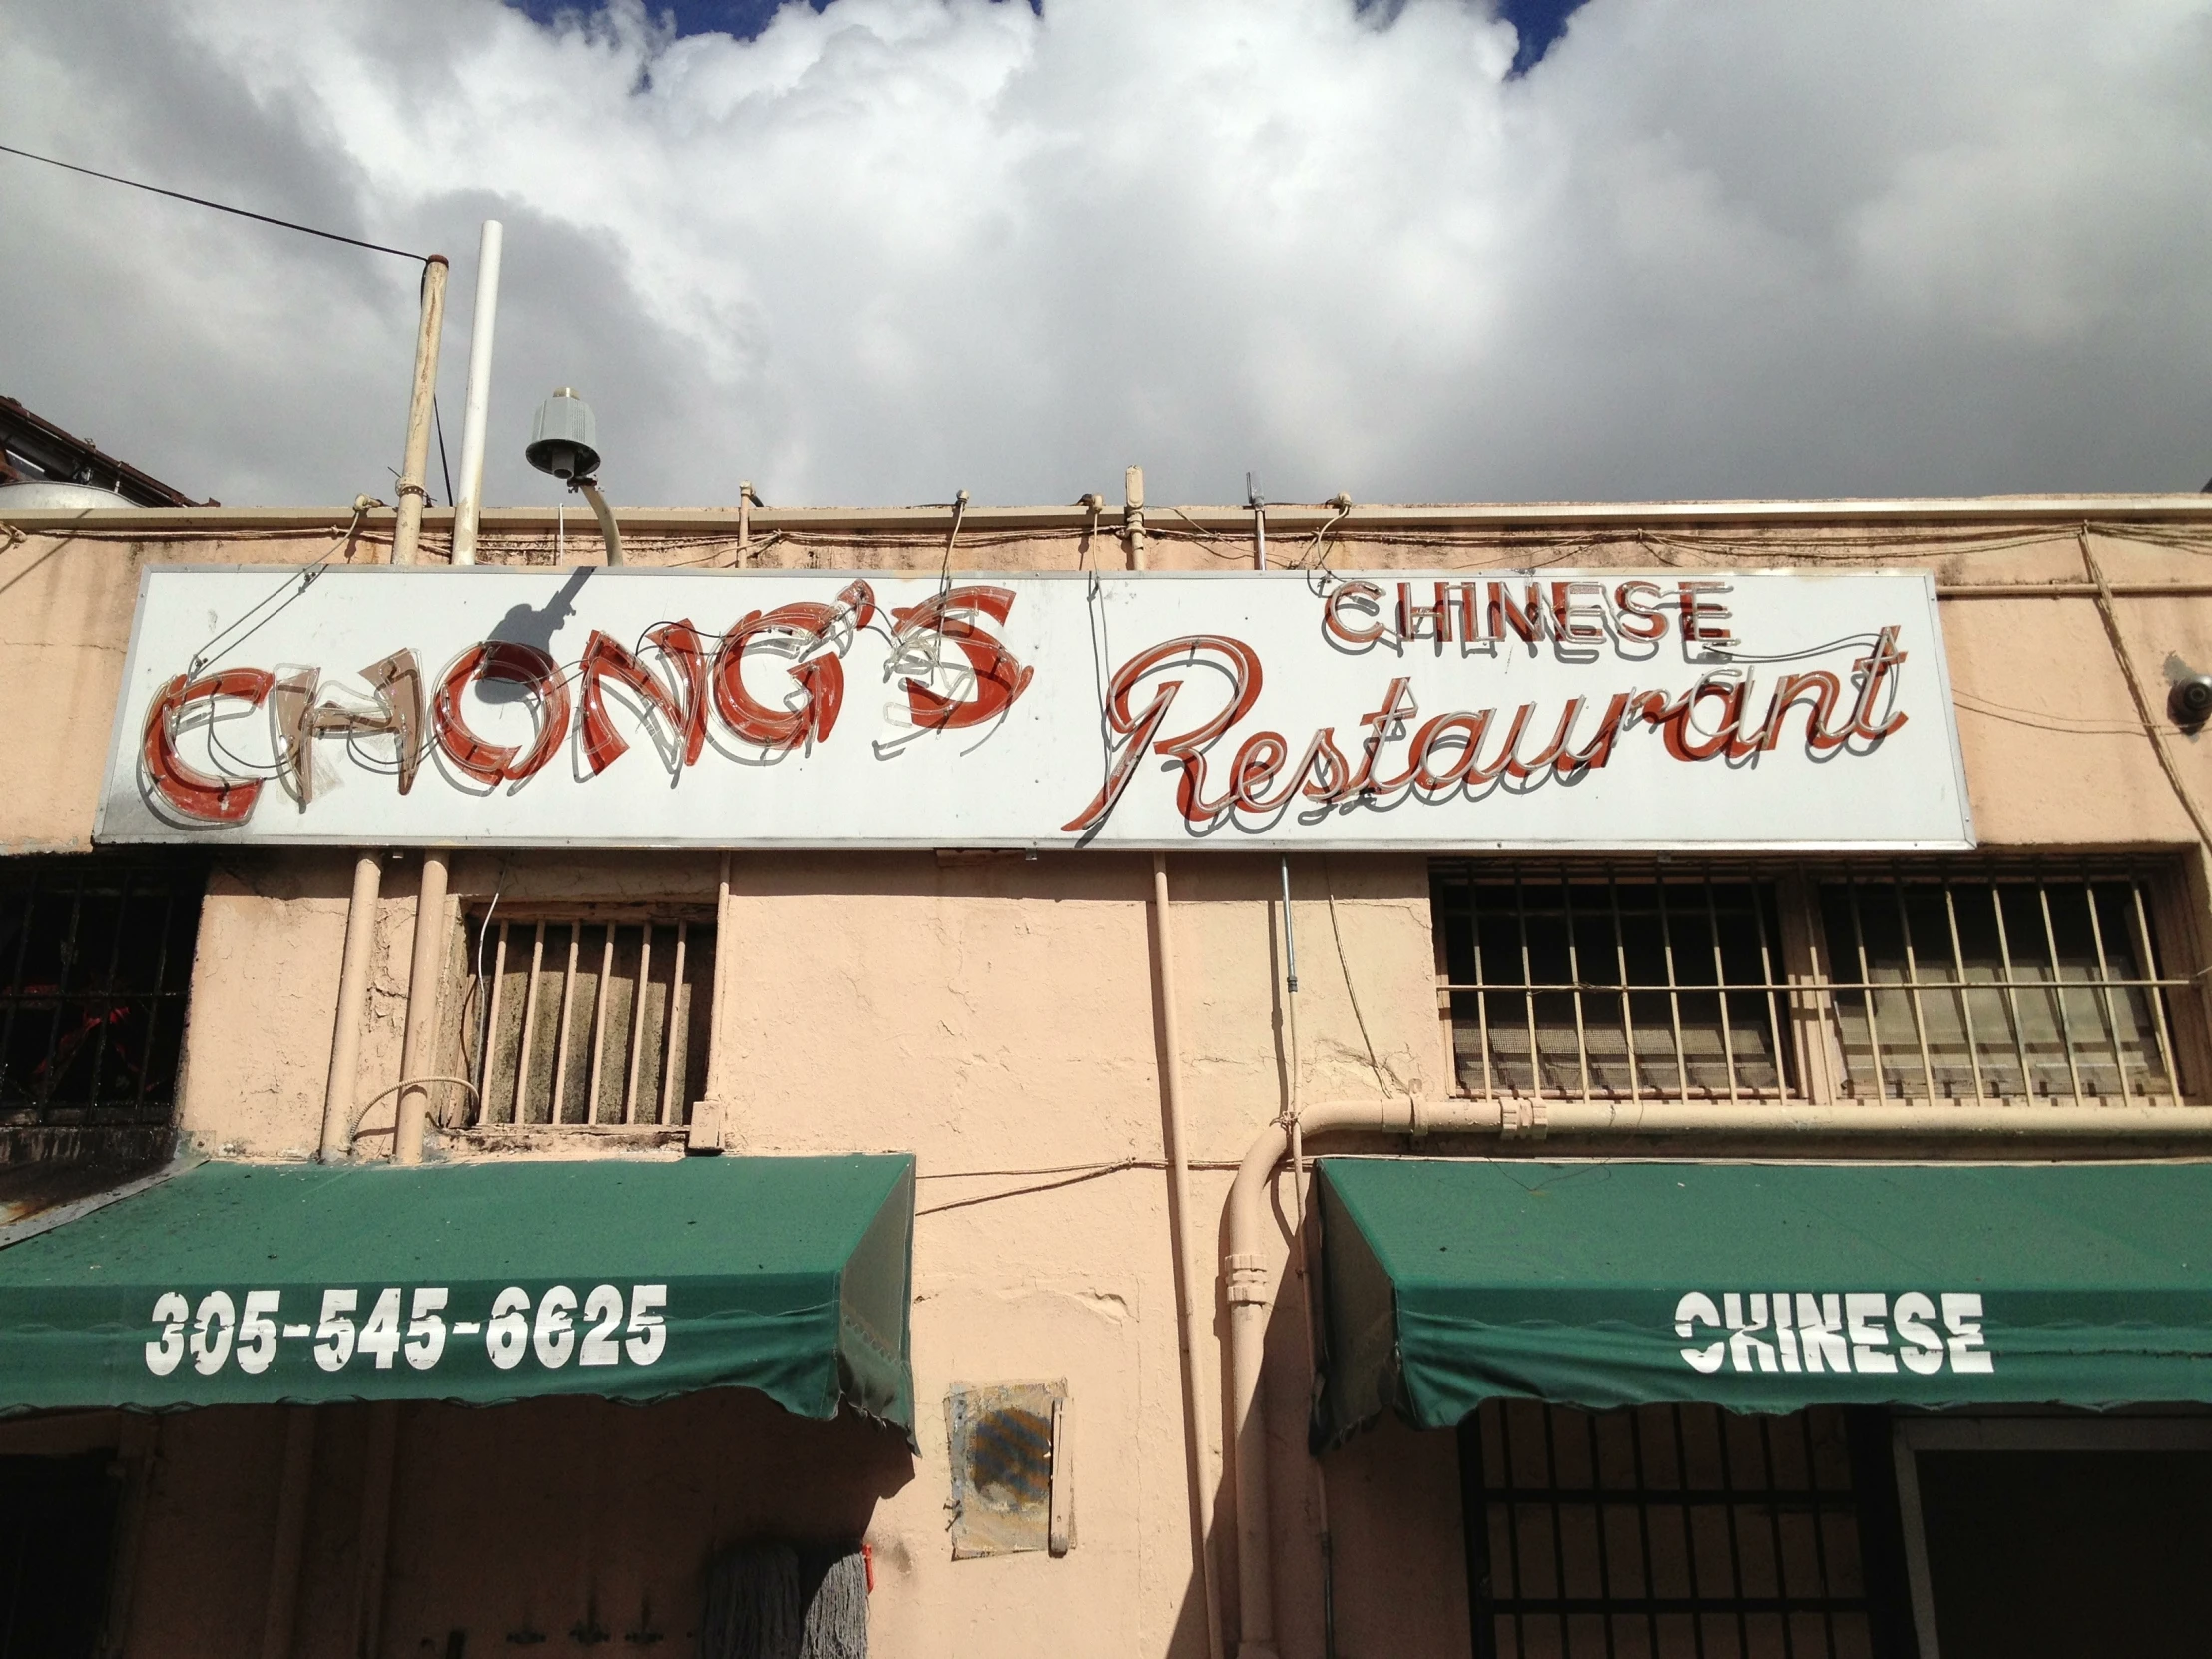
(752, 1606)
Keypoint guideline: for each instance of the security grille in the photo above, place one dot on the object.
(1665, 1531)
(1933, 984)
(588, 1021)
(1997, 989)
(97, 965)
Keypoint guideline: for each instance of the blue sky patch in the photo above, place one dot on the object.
(1540, 22)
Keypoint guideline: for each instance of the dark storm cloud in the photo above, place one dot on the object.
(903, 247)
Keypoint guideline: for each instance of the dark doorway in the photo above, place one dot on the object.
(2068, 1552)
(57, 1531)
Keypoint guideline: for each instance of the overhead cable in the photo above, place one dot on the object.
(219, 206)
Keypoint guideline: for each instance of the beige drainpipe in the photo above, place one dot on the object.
(1244, 1264)
(1190, 1285)
(421, 1033)
(421, 1028)
(339, 1096)
(338, 1102)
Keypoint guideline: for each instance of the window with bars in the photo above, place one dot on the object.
(1931, 982)
(1678, 1530)
(95, 969)
(588, 1021)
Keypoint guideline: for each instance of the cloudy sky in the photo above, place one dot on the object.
(893, 249)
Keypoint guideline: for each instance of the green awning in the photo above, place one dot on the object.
(1760, 1286)
(481, 1283)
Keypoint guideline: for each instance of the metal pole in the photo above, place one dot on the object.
(422, 1011)
(604, 514)
(345, 1039)
(422, 407)
(479, 396)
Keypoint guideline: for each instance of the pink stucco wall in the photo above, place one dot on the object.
(994, 1016)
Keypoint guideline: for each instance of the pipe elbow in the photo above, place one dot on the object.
(1247, 1193)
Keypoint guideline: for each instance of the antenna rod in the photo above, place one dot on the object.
(479, 394)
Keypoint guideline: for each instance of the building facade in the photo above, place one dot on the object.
(1797, 914)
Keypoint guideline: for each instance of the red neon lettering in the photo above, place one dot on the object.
(802, 627)
(521, 665)
(1638, 621)
(1410, 616)
(1526, 621)
(1259, 759)
(606, 658)
(1875, 667)
(1826, 688)
(1576, 618)
(1466, 728)
(1323, 771)
(214, 800)
(1398, 705)
(1331, 613)
(1141, 730)
(999, 675)
(1696, 613)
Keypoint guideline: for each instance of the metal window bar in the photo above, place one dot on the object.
(1540, 981)
(98, 966)
(590, 1022)
(1667, 1530)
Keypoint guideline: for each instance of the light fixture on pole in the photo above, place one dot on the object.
(564, 442)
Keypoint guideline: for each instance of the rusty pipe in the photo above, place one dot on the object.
(414, 463)
(609, 532)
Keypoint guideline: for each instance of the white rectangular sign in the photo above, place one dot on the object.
(1564, 709)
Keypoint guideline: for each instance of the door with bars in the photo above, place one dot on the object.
(587, 1021)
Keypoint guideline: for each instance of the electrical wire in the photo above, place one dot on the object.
(2110, 616)
(219, 206)
(1065, 1174)
(437, 417)
(1375, 1063)
(297, 583)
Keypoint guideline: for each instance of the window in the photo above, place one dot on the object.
(1678, 1530)
(94, 968)
(588, 1021)
(1932, 982)
(1997, 989)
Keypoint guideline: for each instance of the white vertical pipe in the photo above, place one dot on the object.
(479, 394)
